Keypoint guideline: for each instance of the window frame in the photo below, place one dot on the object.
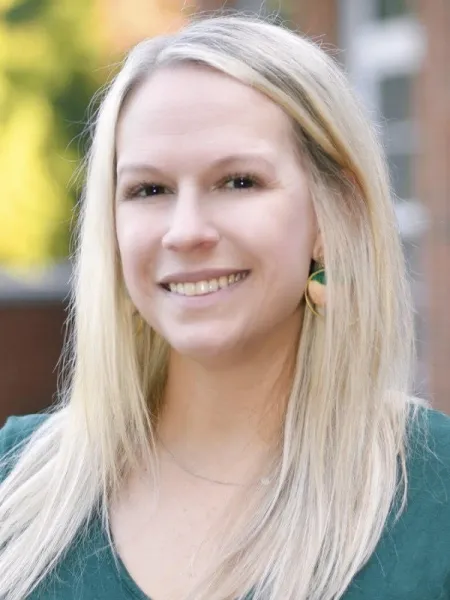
(374, 49)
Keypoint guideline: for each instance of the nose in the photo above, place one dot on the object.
(188, 228)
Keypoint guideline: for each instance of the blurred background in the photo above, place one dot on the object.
(55, 54)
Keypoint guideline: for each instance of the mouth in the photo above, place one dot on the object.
(204, 286)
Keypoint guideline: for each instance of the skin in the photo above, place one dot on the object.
(189, 139)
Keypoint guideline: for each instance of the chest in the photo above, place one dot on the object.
(404, 567)
(168, 542)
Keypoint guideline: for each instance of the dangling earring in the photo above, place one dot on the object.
(315, 290)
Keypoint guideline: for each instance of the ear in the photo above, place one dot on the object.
(317, 253)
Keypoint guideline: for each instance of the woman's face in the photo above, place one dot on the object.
(215, 225)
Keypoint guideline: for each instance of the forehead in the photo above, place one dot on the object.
(189, 109)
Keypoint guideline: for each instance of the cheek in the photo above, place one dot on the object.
(288, 271)
(285, 239)
(137, 249)
(294, 250)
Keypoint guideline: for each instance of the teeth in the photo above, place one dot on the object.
(189, 289)
(201, 288)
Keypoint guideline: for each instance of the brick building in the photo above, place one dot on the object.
(32, 316)
(397, 58)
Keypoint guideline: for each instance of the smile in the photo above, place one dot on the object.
(201, 288)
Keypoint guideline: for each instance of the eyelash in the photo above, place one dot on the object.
(135, 190)
(251, 176)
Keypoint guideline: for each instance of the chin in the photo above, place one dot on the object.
(206, 348)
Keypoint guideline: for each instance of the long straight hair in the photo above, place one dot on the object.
(344, 433)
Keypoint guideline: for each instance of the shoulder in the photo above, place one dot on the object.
(429, 438)
(428, 464)
(412, 559)
(17, 430)
(438, 427)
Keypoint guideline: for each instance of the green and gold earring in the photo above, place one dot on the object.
(315, 292)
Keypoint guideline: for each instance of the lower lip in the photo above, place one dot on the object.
(204, 300)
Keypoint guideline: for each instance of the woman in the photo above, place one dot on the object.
(229, 429)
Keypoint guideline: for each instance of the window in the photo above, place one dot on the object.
(396, 108)
(388, 9)
(383, 48)
(396, 97)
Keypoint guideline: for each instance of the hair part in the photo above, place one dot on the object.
(345, 425)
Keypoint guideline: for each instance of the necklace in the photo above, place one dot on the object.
(264, 481)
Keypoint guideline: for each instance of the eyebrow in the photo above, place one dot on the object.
(222, 162)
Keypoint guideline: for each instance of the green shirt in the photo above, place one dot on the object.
(411, 562)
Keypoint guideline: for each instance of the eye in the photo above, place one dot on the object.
(145, 190)
(240, 181)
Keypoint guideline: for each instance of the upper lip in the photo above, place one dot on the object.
(194, 276)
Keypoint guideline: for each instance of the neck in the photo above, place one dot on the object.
(219, 415)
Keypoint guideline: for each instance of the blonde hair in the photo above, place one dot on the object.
(345, 425)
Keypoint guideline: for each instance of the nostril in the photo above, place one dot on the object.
(182, 239)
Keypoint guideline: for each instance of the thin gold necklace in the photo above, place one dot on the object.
(264, 481)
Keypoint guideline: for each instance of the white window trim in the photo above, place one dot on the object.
(372, 50)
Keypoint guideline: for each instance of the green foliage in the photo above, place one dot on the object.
(47, 78)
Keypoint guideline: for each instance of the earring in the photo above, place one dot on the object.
(315, 291)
